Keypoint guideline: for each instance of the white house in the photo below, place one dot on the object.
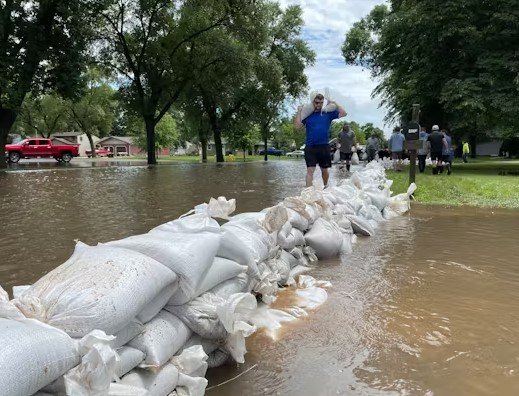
(78, 138)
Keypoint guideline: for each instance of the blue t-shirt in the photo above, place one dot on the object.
(317, 127)
(396, 142)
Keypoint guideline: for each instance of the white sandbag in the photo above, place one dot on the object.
(123, 336)
(201, 317)
(378, 198)
(286, 239)
(343, 209)
(156, 305)
(270, 320)
(192, 361)
(33, 356)
(297, 220)
(344, 223)
(219, 208)
(129, 358)
(290, 258)
(236, 312)
(313, 213)
(220, 271)
(298, 270)
(233, 249)
(157, 383)
(306, 281)
(325, 237)
(257, 242)
(299, 256)
(311, 297)
(208, 346)
(7, 309)
(400, 203)
(95, 373)
(18, 290)
(187, 255)
(190, 386)
(162, 337)
(237, 284)
(361, 226)
(299, 237)
(281, 266)
(99, 287)
(355, 158)
(190, 225)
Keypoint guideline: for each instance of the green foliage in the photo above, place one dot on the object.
(94, 112)
(43, 48)
(166, 132)
(459, 61)
(42, 115)
(253, 68)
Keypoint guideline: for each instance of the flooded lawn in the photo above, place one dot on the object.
(427, 306)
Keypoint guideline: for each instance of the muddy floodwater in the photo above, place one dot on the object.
(428, 306)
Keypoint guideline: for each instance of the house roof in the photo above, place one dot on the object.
(59, 139)
(124, 139)
(66, 134)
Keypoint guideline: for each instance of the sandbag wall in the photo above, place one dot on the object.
(148, 314)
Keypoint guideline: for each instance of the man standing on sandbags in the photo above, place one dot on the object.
(317, 148)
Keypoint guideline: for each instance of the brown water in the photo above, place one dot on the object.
(429, 305)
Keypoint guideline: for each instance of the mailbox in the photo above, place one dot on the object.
(412, 131)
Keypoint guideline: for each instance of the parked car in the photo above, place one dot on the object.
(100, 152)
(40, 147)
(271, 151)
(296, 154)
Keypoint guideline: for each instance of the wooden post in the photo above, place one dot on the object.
(412, 152)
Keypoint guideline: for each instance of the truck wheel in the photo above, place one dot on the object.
(66, 157)
(14, 156)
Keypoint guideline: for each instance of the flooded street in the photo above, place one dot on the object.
(429, 305)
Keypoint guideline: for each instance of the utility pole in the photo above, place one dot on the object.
(412, 142)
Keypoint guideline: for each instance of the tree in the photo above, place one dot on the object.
(152, 46)
(94, 112)
(458, 61)
(264, 64)
(42, 47)
(238, 139)
(42, 115)
(166, 133)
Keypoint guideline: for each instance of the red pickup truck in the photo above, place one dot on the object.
(40, 147)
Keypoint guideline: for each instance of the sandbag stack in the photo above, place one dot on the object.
(148, 314)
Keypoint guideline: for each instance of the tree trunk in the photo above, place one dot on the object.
(150, 140)
(7, 119)
(203, 143)
(265, 156)
(92, 146)
(218, 144)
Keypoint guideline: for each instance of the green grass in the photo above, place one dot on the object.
(482, 182)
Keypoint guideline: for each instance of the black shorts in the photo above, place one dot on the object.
(436, 156)
(346, 156)
(318, 155)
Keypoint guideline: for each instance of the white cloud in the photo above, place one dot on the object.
(326, 24)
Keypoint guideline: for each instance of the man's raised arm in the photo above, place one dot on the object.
(297, 120)
(340, 109)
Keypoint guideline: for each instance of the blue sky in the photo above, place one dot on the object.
(326, 24)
